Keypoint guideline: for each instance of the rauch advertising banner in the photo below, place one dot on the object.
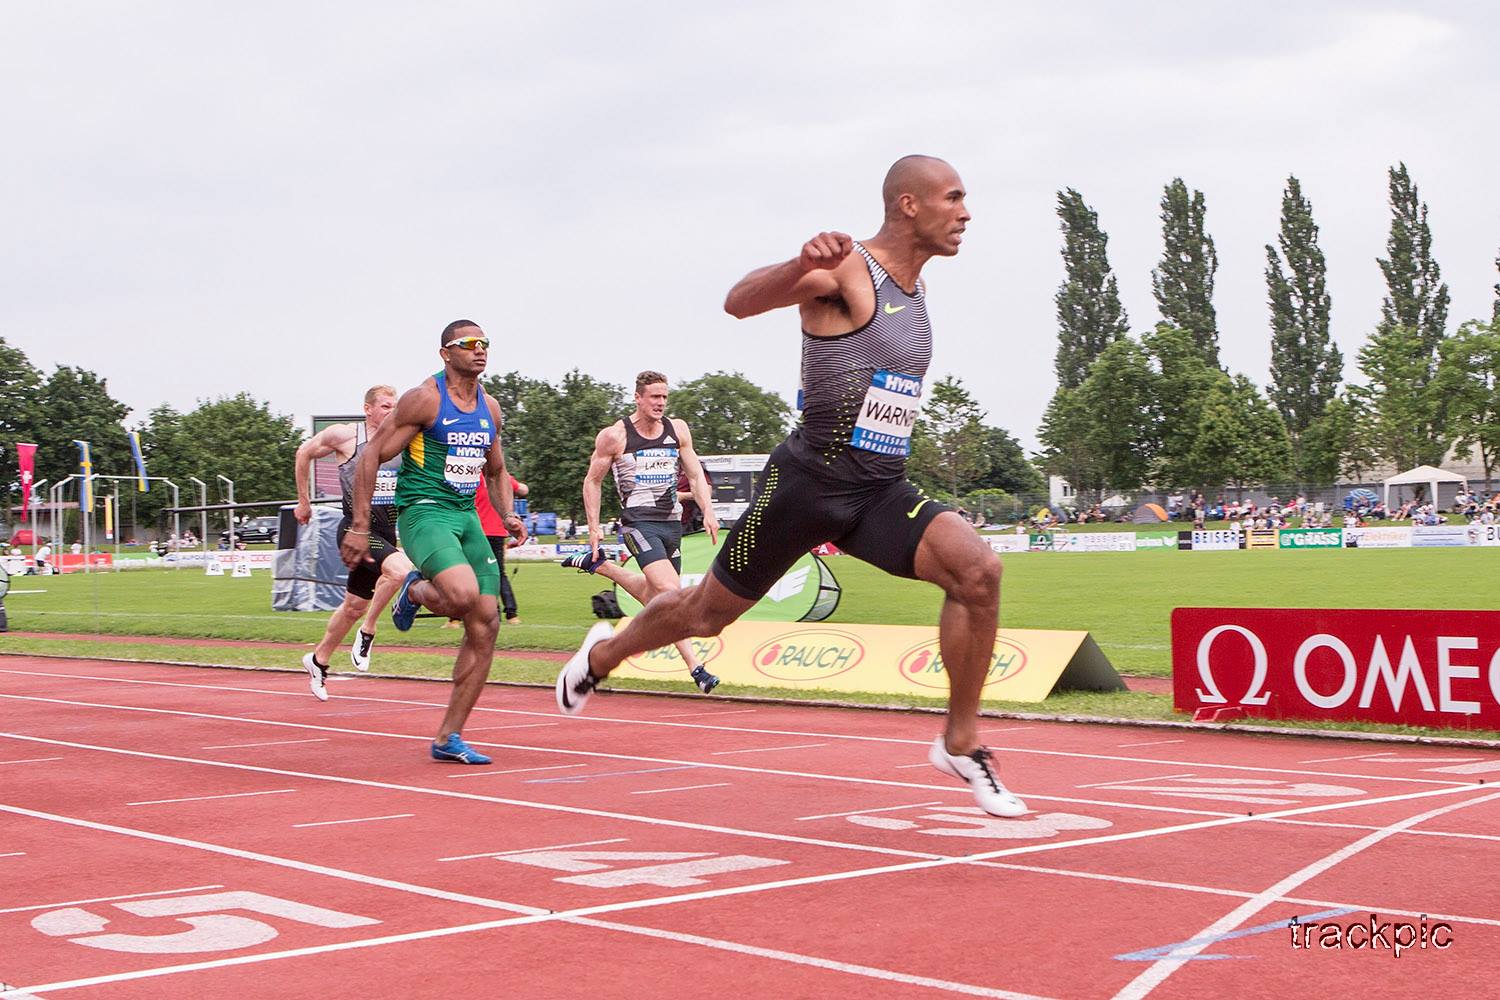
(1419, 668)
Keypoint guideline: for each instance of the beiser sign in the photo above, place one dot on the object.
(1420, 668)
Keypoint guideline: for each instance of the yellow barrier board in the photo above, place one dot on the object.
(1027, 665)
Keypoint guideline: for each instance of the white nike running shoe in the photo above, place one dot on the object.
(317, 674)
(574, 682)
(359, 653)
(978, 769)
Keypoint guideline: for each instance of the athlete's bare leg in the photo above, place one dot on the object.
(672, 615)
(339, 623)
(392, 575)
(455, 592)
(953, 556)
(656, 578)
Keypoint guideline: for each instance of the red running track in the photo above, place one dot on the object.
(177, 832)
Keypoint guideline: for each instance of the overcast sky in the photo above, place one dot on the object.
(293, 198)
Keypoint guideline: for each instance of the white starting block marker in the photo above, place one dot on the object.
(241, 568)
(213, 567)
(684, 869)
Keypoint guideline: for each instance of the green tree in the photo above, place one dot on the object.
(729, 414)
(1009, 470)
(1495, 307)
(1120, 398)
(1469, 376)
(948, 452)
(1184, 379)
(1089, 314)
(75, 404)
(1184, 280)
(1306, 366)
(994, 505)
(1066, 451)
(19, 385)
(170, 453)
(1416, 296)
(240, 438)
(555, 429)
(513, 392)
(1401, 398)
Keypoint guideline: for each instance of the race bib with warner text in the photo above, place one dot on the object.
(886, 416)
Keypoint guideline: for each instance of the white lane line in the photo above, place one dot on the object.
(533, 850)
(684, 715)
(271, 859)
(759, 887)
(903, 767)
(1254, 768)
(111, 899)
(799, 746)
(1356, 756)
(520, 725)
(1007, 729)
(365, 819)
(1152, 743)
(947, 986)
(204, 798)
(861, 812)
(13, 854)
(1131, 781)
(514, 770)
(30, 760)
(272, 743)
(699, 763)
(680, 788)
(1159, 970)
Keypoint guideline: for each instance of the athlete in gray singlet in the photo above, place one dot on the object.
(370, 586)
(644, 451)
(840, 477)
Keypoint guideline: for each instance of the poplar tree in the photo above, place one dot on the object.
(1089, 314)
(1184, 281)
(1306, 366)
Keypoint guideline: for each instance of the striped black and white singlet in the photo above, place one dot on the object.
(861, 390)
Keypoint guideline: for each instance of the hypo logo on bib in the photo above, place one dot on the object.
(886, 416)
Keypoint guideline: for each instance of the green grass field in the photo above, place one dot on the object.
(1124, 599)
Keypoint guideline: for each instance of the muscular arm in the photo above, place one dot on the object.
(417, 408)
(800, 281)
(607, 447)
(696, 479)
(335, 440)
(497, 479)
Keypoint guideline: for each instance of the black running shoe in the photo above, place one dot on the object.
(706, 681)
(585, 561)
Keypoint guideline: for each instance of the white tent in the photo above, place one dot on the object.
(1422, 475)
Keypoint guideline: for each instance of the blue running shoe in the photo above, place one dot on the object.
(403, 608)
(706, 681)
(585, 561)
(455, 749)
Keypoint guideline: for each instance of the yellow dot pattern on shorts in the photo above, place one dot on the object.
(744, 541)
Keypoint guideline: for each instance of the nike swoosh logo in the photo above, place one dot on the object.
(491, 561)
(892, 310)
(454, 420)
(913, 512)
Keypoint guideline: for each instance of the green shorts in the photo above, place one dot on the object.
(437, 537)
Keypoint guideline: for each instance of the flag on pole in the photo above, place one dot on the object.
(140, 461)
(25, 459)
(86, 471)
(109, 521)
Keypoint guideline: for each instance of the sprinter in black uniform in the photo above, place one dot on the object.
(840, 477)
(371, 585)
(645, 450)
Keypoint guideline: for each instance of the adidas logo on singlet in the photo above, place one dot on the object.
(669, 439)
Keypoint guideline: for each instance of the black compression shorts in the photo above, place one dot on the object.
(798, 508)
(362, 577)
(653, 541)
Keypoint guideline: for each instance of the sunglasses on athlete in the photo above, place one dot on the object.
(469, 343)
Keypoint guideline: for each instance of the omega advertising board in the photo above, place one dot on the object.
(1418, 668)
(825, 658)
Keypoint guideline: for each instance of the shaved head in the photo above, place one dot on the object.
(915, 175)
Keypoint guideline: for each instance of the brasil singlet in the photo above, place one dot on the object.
(861, 391)
(382, 514)
(646, 475)
(444, 463)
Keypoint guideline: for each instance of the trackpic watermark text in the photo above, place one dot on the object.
(1394, 936)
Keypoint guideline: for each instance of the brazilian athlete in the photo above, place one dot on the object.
(447, 432)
